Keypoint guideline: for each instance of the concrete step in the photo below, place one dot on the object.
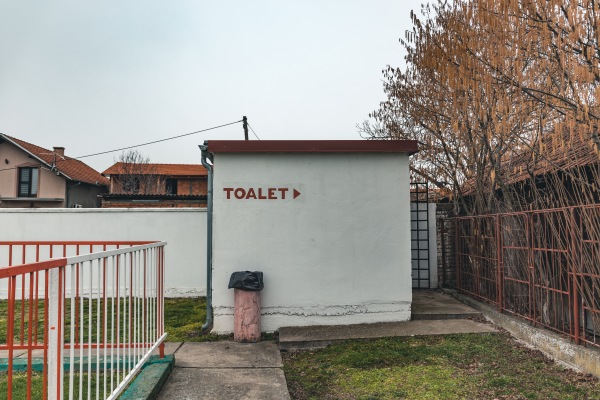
(311, 337)
(432, 316)
(433, 305)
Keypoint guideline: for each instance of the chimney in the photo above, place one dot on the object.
(60, 151)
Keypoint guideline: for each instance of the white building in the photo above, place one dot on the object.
(327, 222)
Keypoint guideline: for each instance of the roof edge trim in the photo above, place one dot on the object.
(313, 146)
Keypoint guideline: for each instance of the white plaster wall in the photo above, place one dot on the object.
(52, 186)
(184, 230)
(338, 254)
(10, 174)
(8, 177)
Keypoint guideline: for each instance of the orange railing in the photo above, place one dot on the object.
(81, 324)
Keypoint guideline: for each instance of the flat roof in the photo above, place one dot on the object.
(312, 146)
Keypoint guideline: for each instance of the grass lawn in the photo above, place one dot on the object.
(19, 386)
(184, 318)
(466, 366)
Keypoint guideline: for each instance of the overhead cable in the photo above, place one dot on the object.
(253, 132)
(137, 145)
(157, 141)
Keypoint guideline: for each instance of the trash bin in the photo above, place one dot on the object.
(246, 313)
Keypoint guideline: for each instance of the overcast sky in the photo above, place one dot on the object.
(94, 76)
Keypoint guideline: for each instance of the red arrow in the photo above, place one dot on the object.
(296, 193)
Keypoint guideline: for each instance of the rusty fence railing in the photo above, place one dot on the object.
(543, 266)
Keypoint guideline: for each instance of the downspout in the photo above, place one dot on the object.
(209, 314)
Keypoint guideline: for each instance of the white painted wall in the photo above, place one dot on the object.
(184, 230)
(338, 254)
(9, 176)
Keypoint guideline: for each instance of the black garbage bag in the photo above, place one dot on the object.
(247, 280)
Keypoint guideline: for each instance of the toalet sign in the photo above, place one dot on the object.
(261, 193)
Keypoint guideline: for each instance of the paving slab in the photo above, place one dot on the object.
(170, 348)
(225, 384)
(228, 355)
(429, 304)
(322, 336)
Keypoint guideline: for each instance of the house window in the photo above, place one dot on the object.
(28, 181)
(171, 186)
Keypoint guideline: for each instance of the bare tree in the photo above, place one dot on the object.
(494, 90)
(504, 99)
(135, 174)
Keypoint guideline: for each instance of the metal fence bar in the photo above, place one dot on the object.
(575, 251)
(540, 265)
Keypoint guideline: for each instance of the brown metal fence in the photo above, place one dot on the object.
(543, 266)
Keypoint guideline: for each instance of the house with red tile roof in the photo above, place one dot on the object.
(155, 185)
(34, 177)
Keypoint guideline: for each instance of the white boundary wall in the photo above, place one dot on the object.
(337, 254)
(184, 230)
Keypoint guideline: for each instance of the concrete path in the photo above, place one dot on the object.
(430, 304)
(226, 370)
(433, 313)
(312, 337)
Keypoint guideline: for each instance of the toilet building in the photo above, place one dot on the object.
(327, 222)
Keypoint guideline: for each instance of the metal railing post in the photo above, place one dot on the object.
(573, 260)
(530, 267)
(499, 269)
(55, 335)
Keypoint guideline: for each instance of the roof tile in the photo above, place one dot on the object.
(161, 169)
(70, 167)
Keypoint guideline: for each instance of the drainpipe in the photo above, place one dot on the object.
(209, 200)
